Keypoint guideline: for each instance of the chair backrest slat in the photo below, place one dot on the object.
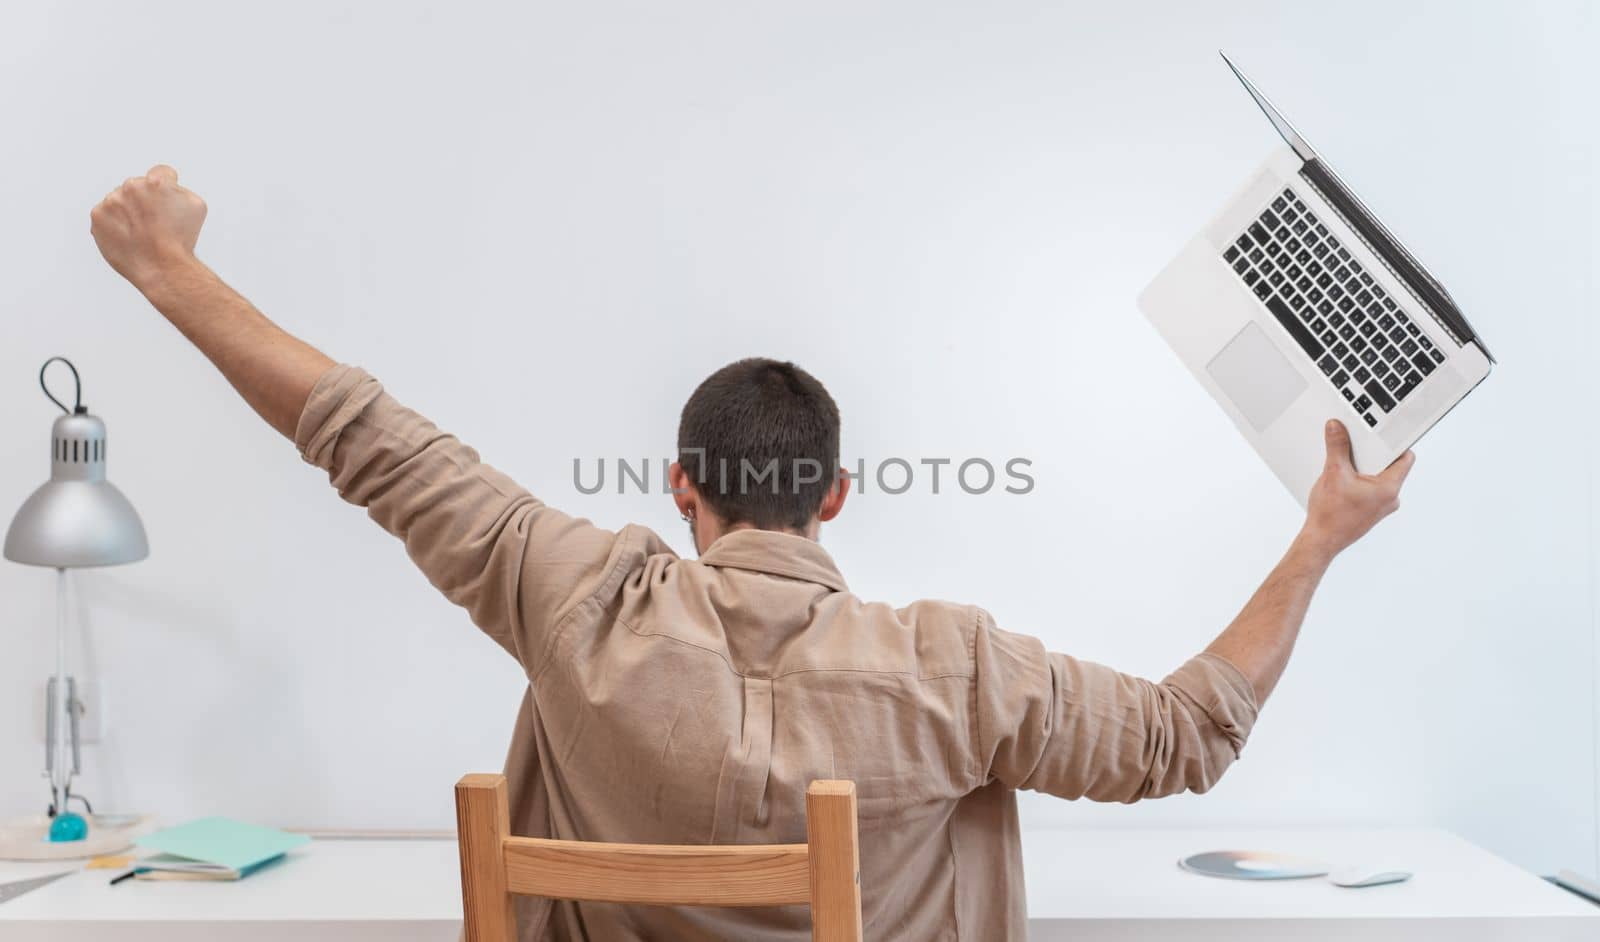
(825, 871)
(663, 874)
(835, 862)
(482, 823)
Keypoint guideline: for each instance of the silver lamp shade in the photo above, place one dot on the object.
(77, 518)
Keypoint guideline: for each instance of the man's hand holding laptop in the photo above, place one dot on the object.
(1345, 503)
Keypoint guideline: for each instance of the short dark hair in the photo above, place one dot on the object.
(760, 440)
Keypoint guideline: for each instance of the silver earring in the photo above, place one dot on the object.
(687, 518)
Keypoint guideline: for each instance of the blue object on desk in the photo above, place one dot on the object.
(217, 845)
(68, 826)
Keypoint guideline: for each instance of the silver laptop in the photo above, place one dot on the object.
(1295, 305)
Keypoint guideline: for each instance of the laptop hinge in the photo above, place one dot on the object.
(1410, 273)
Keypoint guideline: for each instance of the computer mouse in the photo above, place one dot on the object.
(1356, 877)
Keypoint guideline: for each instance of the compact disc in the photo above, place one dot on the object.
(1252, 865)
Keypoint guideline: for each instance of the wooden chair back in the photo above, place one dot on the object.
(824, 872)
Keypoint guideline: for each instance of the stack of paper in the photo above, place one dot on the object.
(212, 849)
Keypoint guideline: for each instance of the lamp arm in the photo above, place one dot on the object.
(52, 713)
(60, 699)
(74, 710)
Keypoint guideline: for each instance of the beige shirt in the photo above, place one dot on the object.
(692, 701)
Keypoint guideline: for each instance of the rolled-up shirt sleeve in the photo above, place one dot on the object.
(1076, 729)
(515, 564)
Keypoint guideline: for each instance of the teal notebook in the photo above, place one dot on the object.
(218, 846)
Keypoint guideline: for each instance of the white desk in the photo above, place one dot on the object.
(1082, 885)
(1460, 893)
(406, 891)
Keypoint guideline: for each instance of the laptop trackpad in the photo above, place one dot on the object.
(1256, 378)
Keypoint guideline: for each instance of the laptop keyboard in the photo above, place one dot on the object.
(1365, 345)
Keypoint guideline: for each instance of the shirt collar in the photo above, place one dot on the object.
(777, 554)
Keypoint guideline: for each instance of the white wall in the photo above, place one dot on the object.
(543, 226)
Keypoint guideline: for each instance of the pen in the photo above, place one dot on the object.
(118, 879)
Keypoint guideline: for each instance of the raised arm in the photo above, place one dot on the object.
(513, 562)
(1076, 729)
(147, 229)
(1344, 505)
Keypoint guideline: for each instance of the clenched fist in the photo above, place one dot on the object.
(146, 223)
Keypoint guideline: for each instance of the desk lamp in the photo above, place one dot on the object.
(75, 520)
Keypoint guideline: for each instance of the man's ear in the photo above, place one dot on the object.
(834, 502)
(683, 493)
